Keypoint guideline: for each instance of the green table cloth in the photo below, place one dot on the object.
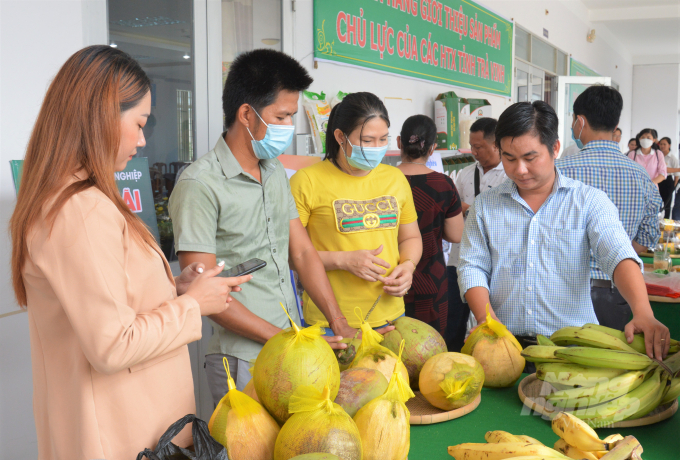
(650, 260)
(668, 314)
(501, 409)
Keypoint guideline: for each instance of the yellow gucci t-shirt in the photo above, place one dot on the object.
(348, 213)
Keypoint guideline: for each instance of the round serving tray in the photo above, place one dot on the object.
(424, 413)
(530, 391)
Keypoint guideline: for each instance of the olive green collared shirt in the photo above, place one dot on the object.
(218, 208)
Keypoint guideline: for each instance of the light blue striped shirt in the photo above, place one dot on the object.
(601, 164)
(537, 266)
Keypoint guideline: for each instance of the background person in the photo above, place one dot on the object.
(667, 187)
(649, 158)
(484, 174)
(439, 216)
(235, 204)
(617, 135)
(632, 144)
(536, 278)
(601, 164)
(360, 215)
(108, 323)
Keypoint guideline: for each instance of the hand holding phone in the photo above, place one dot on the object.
(245, 268)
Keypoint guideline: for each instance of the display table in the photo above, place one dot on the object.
(668, 314)
(650, 260)
(501, 409)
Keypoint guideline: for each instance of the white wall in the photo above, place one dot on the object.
(36, 37)
(566, 22)
(656, 99)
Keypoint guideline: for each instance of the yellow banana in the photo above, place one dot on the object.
(629, 447)
(577, 433)
(602, 357)
(573, 452)
(529, 439)
(502, 450)
(501, 436)
(589, 338)
(573, 375)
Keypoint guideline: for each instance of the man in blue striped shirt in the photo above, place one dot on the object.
(601, 164)
(527, 243)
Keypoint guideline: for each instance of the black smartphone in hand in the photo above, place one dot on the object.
(245, 268)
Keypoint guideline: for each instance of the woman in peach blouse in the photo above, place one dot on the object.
(109, 326)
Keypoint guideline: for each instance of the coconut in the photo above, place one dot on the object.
(372, 355)
(422, 342)
(498, 351)
(451, 380)
(292, 358)
(242, 425)
(346, 356)
(249, 389)
(357, 387)
(317, 425)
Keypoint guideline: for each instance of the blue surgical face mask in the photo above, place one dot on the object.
(366, 158)
(277, 139)
(579, 142)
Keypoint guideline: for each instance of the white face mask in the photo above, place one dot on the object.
(646, 143)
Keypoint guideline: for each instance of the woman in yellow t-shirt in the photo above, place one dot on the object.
(360, 216)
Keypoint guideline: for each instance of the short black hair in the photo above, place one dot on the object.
(619, 130)
(536, 118)
(601, 105)
(354, 111)
(418, 134)
(667, 139)
(488, 126)
(257, 77)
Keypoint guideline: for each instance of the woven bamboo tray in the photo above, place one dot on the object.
(424, 413)
(530, 391)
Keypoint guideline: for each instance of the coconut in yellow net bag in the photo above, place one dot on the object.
(497, 350)
(292, 358)
(317, 425)
(372, 355)
(384, 422)
(242, 425)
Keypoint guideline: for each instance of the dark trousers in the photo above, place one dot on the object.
(676, 206)
(666, 191)
(459, 312)
(610, 307)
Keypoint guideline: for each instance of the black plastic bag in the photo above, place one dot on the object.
(205, 447)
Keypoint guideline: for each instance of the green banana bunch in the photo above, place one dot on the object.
(626, 406)
(598, 394)
(542, 354)
(673, 391)
(573, 375)
(589, 337)
(653, 404)
(638, 339)
(600, 357)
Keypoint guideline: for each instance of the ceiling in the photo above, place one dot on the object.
(650, 30)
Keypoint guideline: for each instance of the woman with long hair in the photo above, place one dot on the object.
(108, 323)
(360, 216)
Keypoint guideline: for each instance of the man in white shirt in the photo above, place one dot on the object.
(573, 149)
(485, 173)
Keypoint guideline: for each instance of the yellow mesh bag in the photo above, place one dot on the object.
(242, 425)
(372, 355)
(497, 350)
(317, 425)
(384, 422)
(293, 358)
(451, 380)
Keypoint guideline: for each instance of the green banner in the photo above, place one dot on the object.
(455, 42)
(134, 185)
(578, 69)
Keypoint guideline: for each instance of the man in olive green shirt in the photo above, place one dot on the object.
(235, 204)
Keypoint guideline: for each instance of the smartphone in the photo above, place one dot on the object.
(245, 268)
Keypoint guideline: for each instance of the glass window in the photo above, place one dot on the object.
(536, 88)
(159, 34)
(522, 44)
(522, 84)
(542, 54)
(562, 60)
(241, 32)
